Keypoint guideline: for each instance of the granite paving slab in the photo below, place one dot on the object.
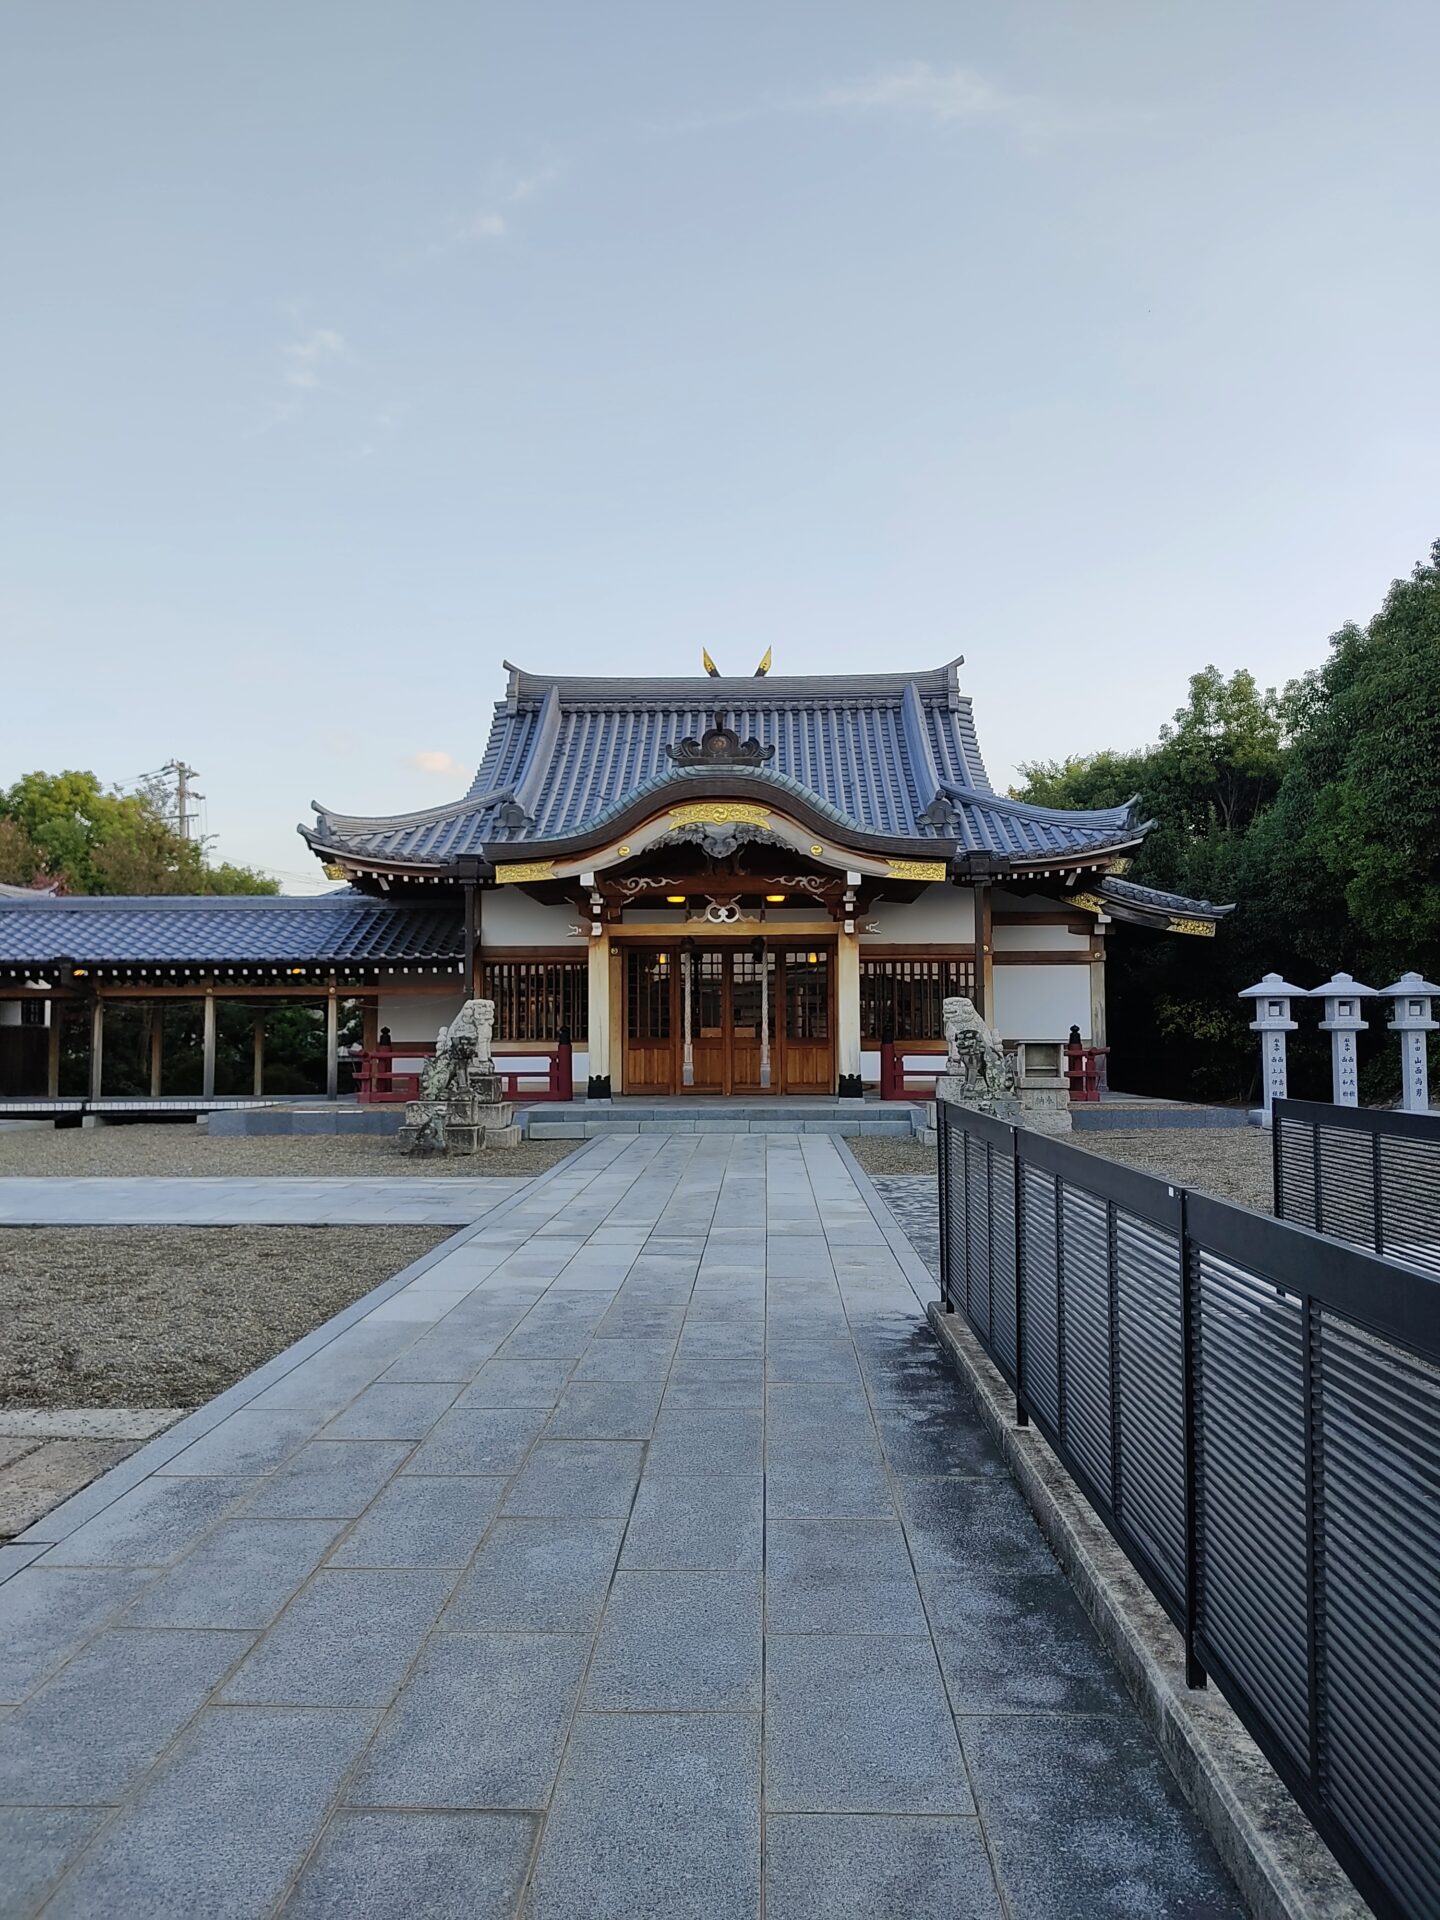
(488, 1598)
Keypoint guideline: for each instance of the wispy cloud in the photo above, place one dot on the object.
(305, 357)
(492, 220)
(917, 90)
(434, 761)
(303, 365)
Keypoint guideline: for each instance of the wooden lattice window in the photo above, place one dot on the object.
(534, 999)
(901, 995)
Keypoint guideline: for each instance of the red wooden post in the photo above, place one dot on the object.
(889, 1089)
(562, 1073)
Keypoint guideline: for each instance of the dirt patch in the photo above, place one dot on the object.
(179, 1151)
(171, 1316)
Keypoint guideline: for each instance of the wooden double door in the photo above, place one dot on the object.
(729, 1019)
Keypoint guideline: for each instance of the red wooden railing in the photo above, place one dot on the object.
(897, 1069)
(1085, 1067)
(379, 1082)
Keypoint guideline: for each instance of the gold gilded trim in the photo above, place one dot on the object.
(1087, 902)
(916, 869)
(1205, 928)
(521, 870)
(720, 813)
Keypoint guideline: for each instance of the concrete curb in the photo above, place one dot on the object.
(1283, 1869)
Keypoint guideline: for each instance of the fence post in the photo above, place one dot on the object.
(563, 1082)
(1194, 1671)
(942, 1156)
(1017, 1174)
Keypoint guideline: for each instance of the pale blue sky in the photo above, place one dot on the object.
(348, 347)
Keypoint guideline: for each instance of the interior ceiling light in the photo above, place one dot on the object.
(675, 899)
(812, 959)
(775, 899)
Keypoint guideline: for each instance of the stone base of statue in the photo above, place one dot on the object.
(460, 1108)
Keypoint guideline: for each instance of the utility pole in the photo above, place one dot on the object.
(184, 794)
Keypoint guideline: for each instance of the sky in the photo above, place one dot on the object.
(350, 347)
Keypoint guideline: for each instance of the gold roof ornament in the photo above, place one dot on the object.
(764, 666)
(709, 664)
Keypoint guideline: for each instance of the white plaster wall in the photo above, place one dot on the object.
(940, 913)
(1034, 939)
(417, 1016)
(1042, 1003)
(510, 918)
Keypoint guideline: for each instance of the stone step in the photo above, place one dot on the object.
(540, 1125)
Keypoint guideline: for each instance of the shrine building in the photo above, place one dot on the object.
(708, 885)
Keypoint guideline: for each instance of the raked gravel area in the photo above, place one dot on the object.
(170, 1316)
(178, 1150)
(1232, 1163)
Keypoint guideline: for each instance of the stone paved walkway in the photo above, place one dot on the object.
(634, 1554)
(147, 1201)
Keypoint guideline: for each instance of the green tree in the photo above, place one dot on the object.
(67, 827)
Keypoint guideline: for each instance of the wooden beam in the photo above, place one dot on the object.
(157, 1051)
(52, 1065)
(985, 949)
(257, 1080)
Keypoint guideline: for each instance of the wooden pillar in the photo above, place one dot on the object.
(157, 1047)
(56, 1010)
(207, 1082)
(258, 1077)
(598, 983)
(470, 972)
(370, 1025)
(1097, 987)
(847, 1015)
(984, 952)
(332, 1042)
(97, 1046)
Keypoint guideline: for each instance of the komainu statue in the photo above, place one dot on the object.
(975, 1059)
(459, 1109)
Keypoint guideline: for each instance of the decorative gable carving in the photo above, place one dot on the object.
(719, 746)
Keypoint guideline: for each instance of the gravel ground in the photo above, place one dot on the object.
(181, 1151)
(1232, 1163)
(170, 1316)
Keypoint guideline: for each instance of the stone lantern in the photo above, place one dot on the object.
(1342, 995)
(1410, 1018)
(1272, 997)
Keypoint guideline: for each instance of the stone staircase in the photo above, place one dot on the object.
(588, 1119)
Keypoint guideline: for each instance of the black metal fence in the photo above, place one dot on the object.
(1254, 1410)
(1370, 1177)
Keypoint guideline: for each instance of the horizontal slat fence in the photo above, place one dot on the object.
(1362, 1174)
(1254, 1410)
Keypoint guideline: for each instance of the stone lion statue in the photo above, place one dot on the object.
(974, 1056)
(462, 1050)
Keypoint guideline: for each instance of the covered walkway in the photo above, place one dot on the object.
(634, 1554)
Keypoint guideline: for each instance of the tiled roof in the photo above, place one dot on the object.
(340, 928)
(893, 756)
(1152, 905)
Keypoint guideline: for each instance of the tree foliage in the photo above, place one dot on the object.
(68, 828)
(1316, 810)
